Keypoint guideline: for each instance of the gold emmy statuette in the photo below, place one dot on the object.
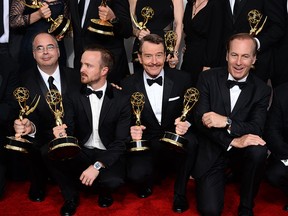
(256, 22)
(58, 27)
(170, 38)
(176, 141)
(101, 26)
(137, 102)
(147, 13)
(63, 147)
(20, 144)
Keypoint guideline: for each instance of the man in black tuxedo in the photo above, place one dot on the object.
(162, 109)
(99, 117)
(117, 13)
(8, 109)
(236, 12)
(276, 135)
(38, 126)
(230, 117)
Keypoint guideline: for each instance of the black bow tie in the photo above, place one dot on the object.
(232, 83)
(158, 81)
(89, 91)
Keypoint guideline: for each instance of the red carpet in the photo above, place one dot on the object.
(269, 202)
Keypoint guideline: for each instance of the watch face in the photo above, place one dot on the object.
(229, 121)
(97, 166)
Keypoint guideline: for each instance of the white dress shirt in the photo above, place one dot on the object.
(55, 75)
(5, 37)
(155, 95)
(96, 105)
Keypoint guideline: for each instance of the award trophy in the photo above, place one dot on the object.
(137, 101)
(18, 143)
(63, 147)
(176, 141)
(255, 19)
(58, 27)
(101, 26)
(147, 13)
(170, 38)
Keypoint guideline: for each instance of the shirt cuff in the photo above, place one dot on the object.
(33, 129)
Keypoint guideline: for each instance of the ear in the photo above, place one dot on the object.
(227, 56)
(139, 58)
(254, 59)
(104, 71)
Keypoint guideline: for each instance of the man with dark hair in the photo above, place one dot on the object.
(164, 89)
(99, 117)
(230, 118)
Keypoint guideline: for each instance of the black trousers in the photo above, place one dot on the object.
(210, 187)
(67, 173)
(277, 174)
(147, 167)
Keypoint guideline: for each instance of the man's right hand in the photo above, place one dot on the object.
(136, 132)
(23, 127)
(247, 140)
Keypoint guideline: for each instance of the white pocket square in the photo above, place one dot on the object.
(174, 98)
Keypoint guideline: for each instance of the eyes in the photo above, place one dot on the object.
(49, 47)
(244, 57)
(150, 56)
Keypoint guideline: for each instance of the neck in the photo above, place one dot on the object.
(97, 85)
(48, 69)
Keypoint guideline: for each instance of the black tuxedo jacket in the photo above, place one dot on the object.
(8, 104)
(83, 37)
(280, 70)
(114, 121)
(248, 115)
(175, 84)
(42, 117)
(276, 130)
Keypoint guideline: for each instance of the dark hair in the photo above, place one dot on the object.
(152, 38)
(107, 58)
(242, 36)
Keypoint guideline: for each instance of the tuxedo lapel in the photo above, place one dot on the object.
(140, 87)
(225, 92)
(244, 96)
(240, 8)
(167, 88)
(63, 81)
(86, 104)
(41, 82)
(107, 103)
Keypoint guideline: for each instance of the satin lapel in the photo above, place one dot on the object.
(86, 104)
(225, 92)
(228, 8)
(41, 83)
(107, 103)
(167, 88)
(63, 81)
(244, 96)
(140, 87)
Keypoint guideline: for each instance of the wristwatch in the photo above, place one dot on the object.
(98, 166)
(228, 123)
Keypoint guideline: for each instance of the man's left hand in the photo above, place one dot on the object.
(212, 119)
(181, 127)
(89, 175)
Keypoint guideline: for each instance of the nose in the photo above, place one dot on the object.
(154, 59)
(238, 60)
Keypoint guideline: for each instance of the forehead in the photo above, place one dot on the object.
(44, 39)
(91, 56)
(149, 47)
(242, 46)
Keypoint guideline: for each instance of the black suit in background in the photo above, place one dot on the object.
(280, 67)
(272, 31)
(8, 109)
(276, 135)
(82, 37)
(248, 117)
(113, 130)
(44, 119)
(145, 167)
